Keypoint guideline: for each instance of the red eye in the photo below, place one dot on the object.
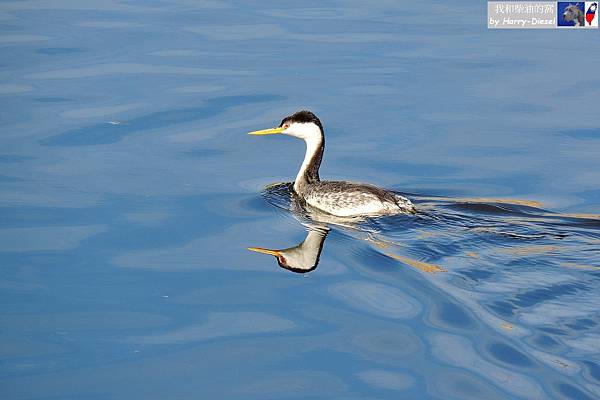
(281, 259)
(285, 126)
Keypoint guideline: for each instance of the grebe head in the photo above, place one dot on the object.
(302, 124)
(306, 126)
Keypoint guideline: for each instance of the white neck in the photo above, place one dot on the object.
(313, 146)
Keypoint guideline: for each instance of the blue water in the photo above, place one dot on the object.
(129, 194)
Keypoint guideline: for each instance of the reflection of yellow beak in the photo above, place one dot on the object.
(264, 251)
(268, 131)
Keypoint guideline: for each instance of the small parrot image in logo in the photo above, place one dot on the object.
(591, 13)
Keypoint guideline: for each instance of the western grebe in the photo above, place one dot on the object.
(340, 198)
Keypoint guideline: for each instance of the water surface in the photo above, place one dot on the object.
(130, 192)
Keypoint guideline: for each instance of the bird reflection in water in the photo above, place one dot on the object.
(304, 257)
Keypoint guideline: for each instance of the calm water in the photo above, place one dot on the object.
(130, 192)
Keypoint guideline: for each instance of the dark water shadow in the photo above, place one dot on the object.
(58, 51)
(106, 133)
(581, 133)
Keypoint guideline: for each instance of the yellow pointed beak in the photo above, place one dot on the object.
(268, 131)
(264, 251)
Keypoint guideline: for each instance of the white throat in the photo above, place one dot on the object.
(313, 137)
(313, 145)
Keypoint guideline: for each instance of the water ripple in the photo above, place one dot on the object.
(386, 379)
(377, 299)
(113, 69)
(459, 352)
(106, 133)
(219, 325)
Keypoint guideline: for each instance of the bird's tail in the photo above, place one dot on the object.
(405, 204)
